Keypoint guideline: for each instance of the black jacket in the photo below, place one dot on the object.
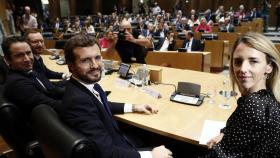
(82, 111)
(27, 93)
(196, 45)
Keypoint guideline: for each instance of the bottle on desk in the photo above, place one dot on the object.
(144, 75)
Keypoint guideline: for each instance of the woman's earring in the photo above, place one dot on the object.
(267, 76)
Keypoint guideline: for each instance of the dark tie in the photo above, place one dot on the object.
(103, 97)
(104, 100)
(41, 64)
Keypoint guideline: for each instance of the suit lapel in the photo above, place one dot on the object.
(97, 102)
(91, 95)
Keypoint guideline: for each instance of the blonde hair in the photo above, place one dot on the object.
(262, 44)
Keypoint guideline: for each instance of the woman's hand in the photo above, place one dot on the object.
(215, 140)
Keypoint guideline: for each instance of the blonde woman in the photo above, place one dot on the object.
(253, 129)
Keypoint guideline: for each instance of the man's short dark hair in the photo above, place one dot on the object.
(75, 42)
(30, 31)
(190, 33)
(7, 44)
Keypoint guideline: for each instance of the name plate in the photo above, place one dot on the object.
(122, 83)
(152, 92)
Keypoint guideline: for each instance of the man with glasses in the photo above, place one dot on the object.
(36, 41)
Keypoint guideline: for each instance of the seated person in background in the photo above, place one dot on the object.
(67, 26)
(191, 44)
(193, 21)
(160, 31)
(167, 43)
(88, 27)
(183, 25)
(36, 41)
(108, 41)
(76, 28)
(253, 129)
(132, 46)
(86, 109)
(149, 32)
(227, 26)
(203, 26)
(24, 87)
(56, 25)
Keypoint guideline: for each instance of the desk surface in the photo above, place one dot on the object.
(174, 120)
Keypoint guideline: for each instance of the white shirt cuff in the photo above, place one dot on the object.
(145, 154)
(127, 108)
(64, 76)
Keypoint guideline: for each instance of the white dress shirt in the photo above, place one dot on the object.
(189, 45)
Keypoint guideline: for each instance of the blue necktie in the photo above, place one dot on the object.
(104, 100)
(103, 97)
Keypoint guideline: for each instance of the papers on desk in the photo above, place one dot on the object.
(210, 130)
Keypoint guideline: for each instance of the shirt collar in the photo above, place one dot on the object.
(37, 57)
(88, 86)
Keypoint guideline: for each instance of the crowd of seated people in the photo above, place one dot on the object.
(157, 23)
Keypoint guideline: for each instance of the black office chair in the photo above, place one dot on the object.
(16, 131)
(56, 139)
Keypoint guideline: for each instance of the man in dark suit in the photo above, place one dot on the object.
(24, 87)
(36, 41)
(167, 43)
(86, 109)
(227, 26)
(191, 44)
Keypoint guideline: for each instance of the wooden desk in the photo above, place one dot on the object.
(199, 61)
(219, 53)
(177, 121)
(231, 37)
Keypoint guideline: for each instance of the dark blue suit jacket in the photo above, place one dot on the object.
(82, 111)
(196, 45)
(26, 93)
(43, 70)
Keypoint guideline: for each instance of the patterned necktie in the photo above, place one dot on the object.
(103, 97)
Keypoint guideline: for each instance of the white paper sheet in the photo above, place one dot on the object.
(210, 129)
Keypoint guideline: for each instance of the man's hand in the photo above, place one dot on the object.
(144, 108)
(215, 140)
(161, 152)
(129, 37)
